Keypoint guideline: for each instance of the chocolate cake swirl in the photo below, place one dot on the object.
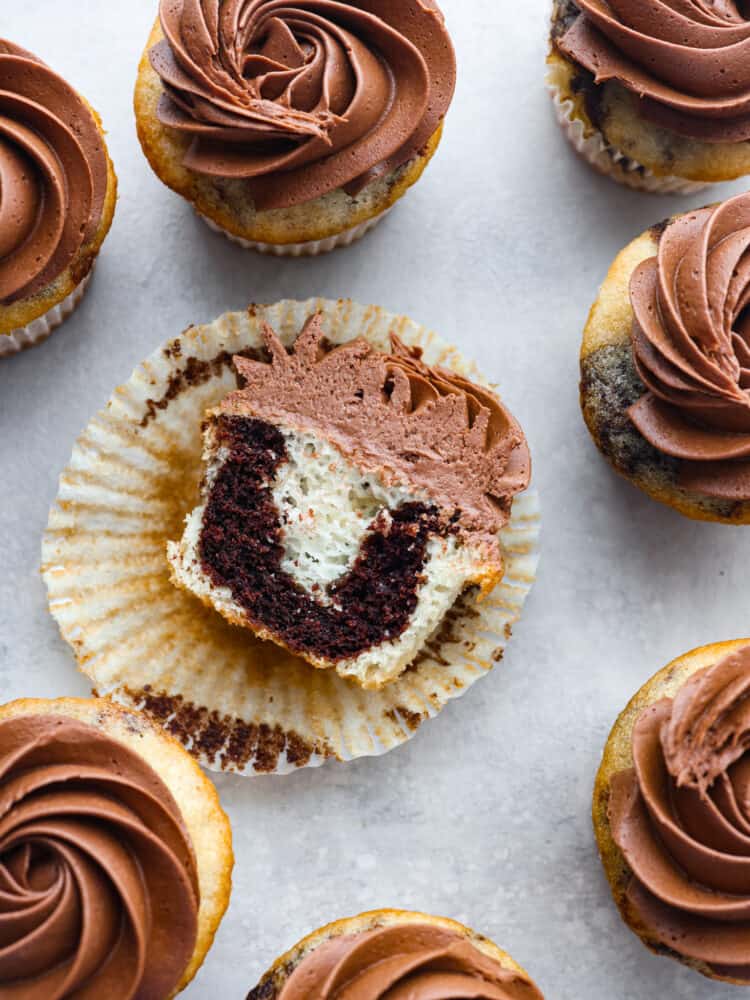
(98, 883)
(414, 961)
(691, 345)
(301, 98)
(687, 62)
(681, 817)
(53, 174)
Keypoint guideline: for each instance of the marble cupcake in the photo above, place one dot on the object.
(118, 535)
(57, 198)
(654, 94)
(671, 812)
(665, 363)
(115, 855)
(397, 955)
(293, 128)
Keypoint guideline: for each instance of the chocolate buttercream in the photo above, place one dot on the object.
(300, 97)
(687, 61)
(98, 883)
(681, 817)
(691, 346)
(404, 962)
(394, 413)
(53, 174)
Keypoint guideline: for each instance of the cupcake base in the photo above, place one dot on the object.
(618, 756)
(238, 704)
(309, 248)
(39, 329)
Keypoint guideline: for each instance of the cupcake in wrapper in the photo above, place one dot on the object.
(395, 953)
(665, 363)
(638, 94)
(294, 131)
(57, 198)
(239, 703)
(671, 812)
(115, 855)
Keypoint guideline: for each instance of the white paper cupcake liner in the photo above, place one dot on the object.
(37, 331)
(311, 248)
(236, 703)
(610, 161)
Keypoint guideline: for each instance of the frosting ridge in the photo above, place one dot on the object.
(301, 98)
(53, 174)
(98, 884)
(404, 962)
(687, 61)
(443, 433)
(681, 817)
(691, 347)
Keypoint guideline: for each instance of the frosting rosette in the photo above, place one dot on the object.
(681, 817)
(688, 61)
(403, 962)
(53, 174)
(691, 346)
(98, 881)
(304, 97)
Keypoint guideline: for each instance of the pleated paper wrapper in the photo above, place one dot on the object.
(610, 161)
(39, 329)
(236, 703)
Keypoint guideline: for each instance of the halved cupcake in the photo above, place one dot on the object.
(350, 497)
(57, 197)
(399, 955)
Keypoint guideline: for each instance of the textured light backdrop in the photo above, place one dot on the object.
(485, 815)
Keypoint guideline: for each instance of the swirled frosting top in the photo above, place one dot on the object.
(98, 884)
(53, 174)
(681, 817)
(303, 97)
(393, 412)
(691, 344)
(404, 962)
(688, 61)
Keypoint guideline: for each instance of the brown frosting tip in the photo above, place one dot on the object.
(414, 961)
(392, 412)
(98, 882)
(691, 347)
(681, 817)
(298, 98)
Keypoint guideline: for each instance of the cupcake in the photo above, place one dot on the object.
(406, 956)
(309, 484)
(115, 855)
(671, 812)
(654, 94)
(57, 198)
(350, 496)
(293, 130)
(665, 363)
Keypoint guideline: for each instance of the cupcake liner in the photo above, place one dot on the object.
(236, 703)
(38, 330)
(310, 248)
(610, 161)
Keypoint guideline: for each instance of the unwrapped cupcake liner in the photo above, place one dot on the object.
(310, 248)
(38, 330)
(236, 703)
(610, 161)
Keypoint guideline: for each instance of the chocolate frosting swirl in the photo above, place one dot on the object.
(301, 97)
(688, 61)
(98, 884)
(391, 411)
(691, 345)
(53, 174)
(681, 817)
(404, 962)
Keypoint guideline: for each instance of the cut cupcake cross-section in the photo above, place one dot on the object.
(350, 497)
